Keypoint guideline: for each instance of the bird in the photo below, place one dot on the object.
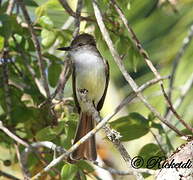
(91, 74)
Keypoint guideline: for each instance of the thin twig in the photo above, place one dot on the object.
(172, 6)
(77, 20)
(33, 148)
(37, 47)
(124, 71)
(12, 136)
(158, 142)
(64, 76)
(174, 111)
(5, 78)
(30, 69)
(72, 13)
(24, 169)
(184, 90)
(186, 42)
(10, 7)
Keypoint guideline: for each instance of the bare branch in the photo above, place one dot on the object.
(12, 136)
(37, 47)
(24, 169)
(64, 76)
(125, 73)
(72, 13)
(8, 175)
(176, 61)
(185, 89)
(10, 7)
(77, 20)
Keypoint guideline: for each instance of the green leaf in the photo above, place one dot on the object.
(46, 22)
(69, 171)
(46, 134)
(187, 132)
(1, 42)
(131, 127)
(51, 57)
(30, 3)
(9, 24)
(53, 73)
(70, 128)
(40, 11)
(83, 165)
(48, 37)
(151, 153)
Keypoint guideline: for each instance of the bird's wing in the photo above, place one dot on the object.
(101, 102)
(74, 89)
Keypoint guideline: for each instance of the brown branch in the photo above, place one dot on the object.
(186, 42)
(184, 91)
(77, 20)
(24, 169)
(64, 76)
(10, 7)
(72, 13)
(172, 6)
(174, 111)
(12, 136)
(37, 47)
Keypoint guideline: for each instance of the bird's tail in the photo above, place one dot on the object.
(87, 150)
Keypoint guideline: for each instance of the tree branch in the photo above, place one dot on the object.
(72, 13)
(77, 20)
(37, 47)
(12, 136)
(176, 61)
(8, 175)
(184, 90)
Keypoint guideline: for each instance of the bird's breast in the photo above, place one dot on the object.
(90, 75)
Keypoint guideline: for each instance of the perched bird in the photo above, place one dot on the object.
(90, 74)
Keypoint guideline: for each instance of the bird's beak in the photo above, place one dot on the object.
(65, 48)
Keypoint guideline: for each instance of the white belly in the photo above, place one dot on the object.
(90, 75)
